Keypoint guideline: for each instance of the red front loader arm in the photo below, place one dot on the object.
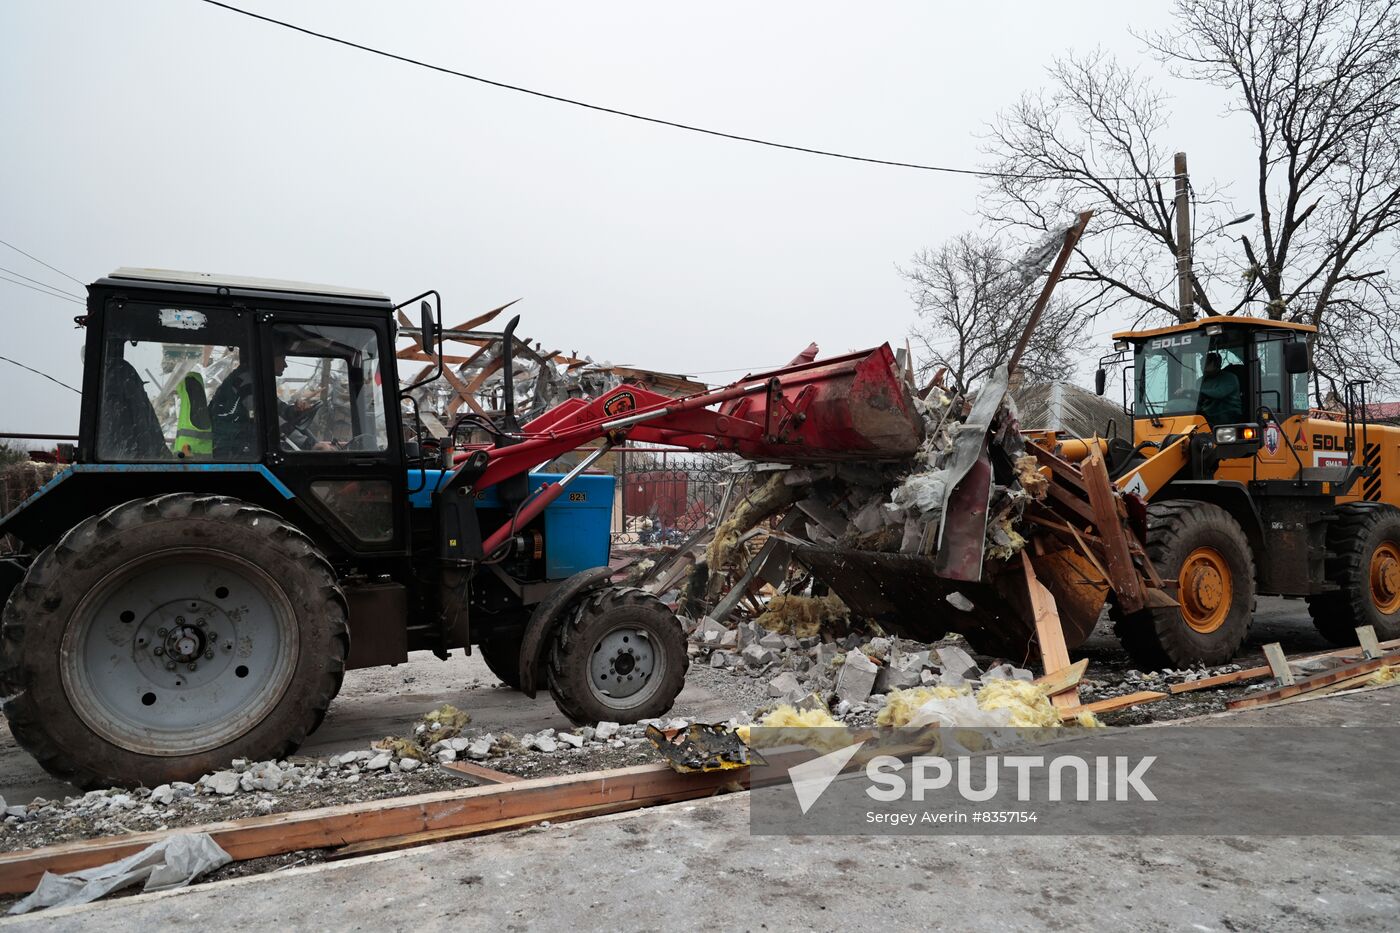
(853, 407)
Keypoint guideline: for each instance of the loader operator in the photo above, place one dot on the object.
(235, 427)
(1221, 398)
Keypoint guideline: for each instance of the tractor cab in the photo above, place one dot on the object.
(282, 393)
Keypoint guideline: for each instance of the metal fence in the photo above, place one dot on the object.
(663, 497)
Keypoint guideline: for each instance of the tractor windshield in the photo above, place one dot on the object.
(1192, 373)
(161, 366)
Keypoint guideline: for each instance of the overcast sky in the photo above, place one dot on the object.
(174, 134)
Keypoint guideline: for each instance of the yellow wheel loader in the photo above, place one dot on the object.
(1250, 491)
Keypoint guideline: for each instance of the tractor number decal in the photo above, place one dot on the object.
(619, 403)
(578, 497)
(1271, 438)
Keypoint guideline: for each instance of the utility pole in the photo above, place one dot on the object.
(1186, 301)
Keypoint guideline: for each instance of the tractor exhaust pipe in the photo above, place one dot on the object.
(509, 425)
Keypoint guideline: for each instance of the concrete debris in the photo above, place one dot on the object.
(857, 677)
(959, 662)
(220, 782)
(756, 655)
(784, 684)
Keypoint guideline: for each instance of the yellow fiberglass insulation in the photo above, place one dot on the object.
(802, 616)
(900, 705)
(832, 734)
(768, 498)
(1384, 675)
(1026, 702)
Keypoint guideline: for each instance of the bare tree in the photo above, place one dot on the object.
(972, 302)
(1319, 81)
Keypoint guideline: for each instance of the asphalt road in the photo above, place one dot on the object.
(386, 701)
(696, 865)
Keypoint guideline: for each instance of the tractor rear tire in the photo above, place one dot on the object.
(159, 640)
(619, 656)
(1203, 548)
(1363, 560)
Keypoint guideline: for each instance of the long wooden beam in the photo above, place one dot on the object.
(344, 824)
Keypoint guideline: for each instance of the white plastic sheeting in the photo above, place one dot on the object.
(173, 862)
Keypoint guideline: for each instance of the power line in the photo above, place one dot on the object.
(636, 116)
(38, 373)
(43, 291)
(54, 288)
(42, 263)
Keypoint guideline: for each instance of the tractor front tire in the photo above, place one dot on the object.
(1363, 560)
(619, 656)
(164, 637)
(501, 652)
(1203, 549)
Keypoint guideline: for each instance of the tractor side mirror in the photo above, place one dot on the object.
(429, 337)
(1295, 357)
(1100, 381)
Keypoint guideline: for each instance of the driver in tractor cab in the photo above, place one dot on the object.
(1221, 397)
(231, 409)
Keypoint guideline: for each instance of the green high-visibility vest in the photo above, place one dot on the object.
(195, 435)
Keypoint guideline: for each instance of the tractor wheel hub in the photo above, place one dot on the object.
(622, 662)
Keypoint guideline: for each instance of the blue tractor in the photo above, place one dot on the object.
(255, 508)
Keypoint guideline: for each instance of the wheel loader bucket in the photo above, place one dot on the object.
(907, 598)
(854, 407)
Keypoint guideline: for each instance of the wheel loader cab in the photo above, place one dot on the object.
(288, 389)
(1232, 386)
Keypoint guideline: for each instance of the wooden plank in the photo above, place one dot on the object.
(1114, 703)
(340, 825)
(481, 772)
(1313, 683)
(1366, 638)
(1049, 635)
(1221, 680)
(1122, 575)
(1253, 673)
(1065, 679)
(394, 843)
(1278, 663)
(1351, 683)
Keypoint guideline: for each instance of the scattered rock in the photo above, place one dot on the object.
(857, 678)
(606, 730)
(221, 782)
(756, 656)
(783, 684)
(570, 739)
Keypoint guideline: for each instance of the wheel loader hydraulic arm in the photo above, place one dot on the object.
(1148, 478)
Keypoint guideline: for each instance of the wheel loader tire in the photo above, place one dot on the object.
(163, 638)
(1363, 560)
(619, 656)
(1203, 549)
